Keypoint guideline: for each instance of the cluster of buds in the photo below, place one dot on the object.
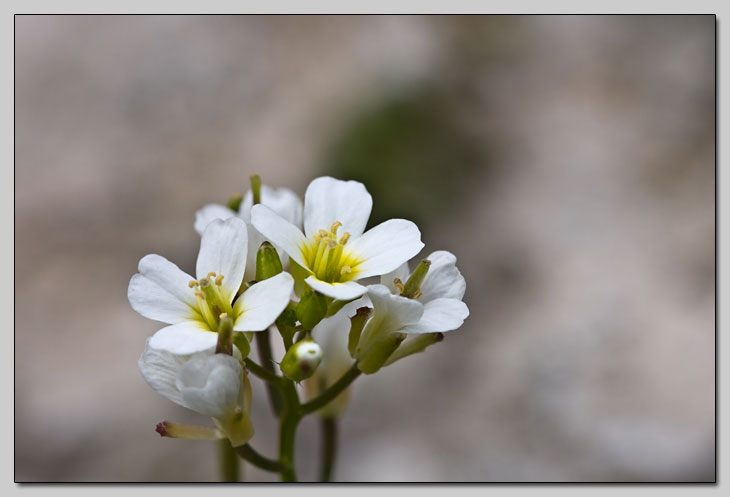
(268, 261)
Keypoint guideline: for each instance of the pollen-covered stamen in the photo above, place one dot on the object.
(193, 283)
(211, 300)
(326, 258)
(345, 237)
(399, 285)
(335, 226)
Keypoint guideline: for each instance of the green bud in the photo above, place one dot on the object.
(268, 263)
(357, 323)
(412, 288)
(301, 360)
(376, 356)
(310, 310)
(242, 343)
(256, 188)
(234, 203)
(225, 335)
(414, 345)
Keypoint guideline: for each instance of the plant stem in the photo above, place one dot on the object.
(332, 392)
(228, 460)
(288, 431)
(262, 373)
(264, 348)
(251, 455)
(329, 448)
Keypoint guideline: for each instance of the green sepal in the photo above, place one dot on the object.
(242, 343)
(379, 353)
(357, 323)
(234, 203)
(311, 309)
(414, 346)
(268, 263)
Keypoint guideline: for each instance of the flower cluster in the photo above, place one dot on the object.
(268, 261)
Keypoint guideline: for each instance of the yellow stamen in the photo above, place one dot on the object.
(345, 270)
(193, 283)
(418, 294)
(219, 280)
(335, 226)
(345, 237)
(322, 234)
(399, 285)
(330, 243)
(211, 274)
(200, 294)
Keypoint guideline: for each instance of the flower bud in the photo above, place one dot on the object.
(379, 352)
(234, 203)
(268, 263)
(310, 310)
(191, 432)
(357, 322)
(301, 360)
(414, 345)
(412, 287)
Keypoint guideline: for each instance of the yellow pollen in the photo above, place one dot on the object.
(345, 270)
(211, 274)
(193, 283)
(399, 285)
(219, 280)
(200, 294)
(345, 237)
(334, 227)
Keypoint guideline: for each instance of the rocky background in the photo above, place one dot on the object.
(569, 162)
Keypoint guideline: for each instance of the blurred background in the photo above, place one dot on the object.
(568, 162)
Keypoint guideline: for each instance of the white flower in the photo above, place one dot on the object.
(333, 249)
(211, 384)
(437, 308)
(163, 292)
(283, 201)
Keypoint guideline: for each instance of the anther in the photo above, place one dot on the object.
(330, 243)
(211, 274)
(322, 234)
(345, 270)
(193, 283)
(317, 237)
(345, 237)
(200, 294)
(334, 227)
(219, 280)
(418, 294)
(399, 285)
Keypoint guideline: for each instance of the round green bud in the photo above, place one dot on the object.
(302, 359)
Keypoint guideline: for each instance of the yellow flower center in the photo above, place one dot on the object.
(328, 258)
(211, 302)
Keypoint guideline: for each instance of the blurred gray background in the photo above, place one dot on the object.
(568, 162)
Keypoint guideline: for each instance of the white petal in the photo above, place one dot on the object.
(210, 213)
(210, 384)
(443, 279)
(328, 200)
(280, 231)
(332, 335)
(163, 294)
(401, 272)
(283, 201)
(184, 338)
(341, 291)
(385, 247)
(259, 306)
(440, 315)
(152, 301)
(159, 368)
(223, 249)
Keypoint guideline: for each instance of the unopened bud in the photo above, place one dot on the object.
(301, 360)
(234, 203)
(268, 263)
(412, 287)
(379, 353)
(311, 309)
(191, 432)
(414, 345)
(357, 322)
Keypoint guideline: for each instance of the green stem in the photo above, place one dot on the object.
(329, 448)
(264, 348)
(328, 395)
(262, 373)
(288, 432)
(249, 454)
(229, 461)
